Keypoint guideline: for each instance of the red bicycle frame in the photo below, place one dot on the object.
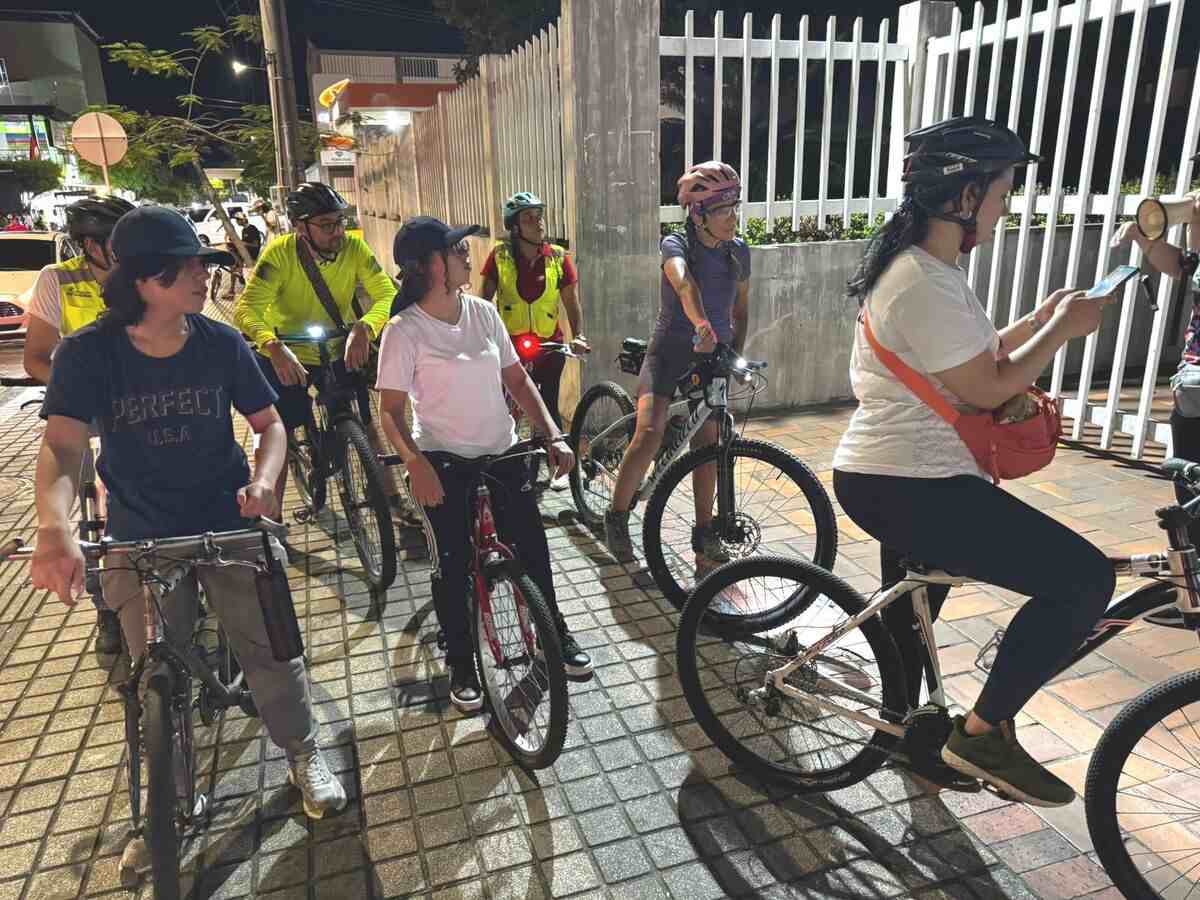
(490, 550)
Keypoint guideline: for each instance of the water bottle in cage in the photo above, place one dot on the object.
(987, 653)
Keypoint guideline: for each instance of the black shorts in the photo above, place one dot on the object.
(666, 362)
(295, 403)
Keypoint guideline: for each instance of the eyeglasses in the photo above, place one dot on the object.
(462, 248)
(330, 227)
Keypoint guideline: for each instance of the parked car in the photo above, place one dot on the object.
(22, 255)
(209, 227)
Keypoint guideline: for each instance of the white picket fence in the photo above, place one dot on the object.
(842, 59)
(1058, 22)
(498, 133)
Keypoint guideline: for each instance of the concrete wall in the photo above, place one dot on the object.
(52, 63)
(802, 323)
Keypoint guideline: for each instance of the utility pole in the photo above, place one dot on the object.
(277, 48)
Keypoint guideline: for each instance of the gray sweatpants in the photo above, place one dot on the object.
(280, 689)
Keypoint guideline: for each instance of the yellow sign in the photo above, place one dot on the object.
(330, 94)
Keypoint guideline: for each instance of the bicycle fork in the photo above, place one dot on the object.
(491, 554)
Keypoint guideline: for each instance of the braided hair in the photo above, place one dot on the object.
(909, 225)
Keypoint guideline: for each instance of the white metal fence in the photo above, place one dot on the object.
(946, 69)
(498, 133)
(843, 62)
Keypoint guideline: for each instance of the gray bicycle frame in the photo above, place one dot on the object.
(716, 400)
(1159, 565)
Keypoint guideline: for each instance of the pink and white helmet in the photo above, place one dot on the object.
(706, 185)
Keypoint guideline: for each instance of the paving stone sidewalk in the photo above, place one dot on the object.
(639, 805)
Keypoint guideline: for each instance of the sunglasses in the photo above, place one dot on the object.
(732, 211)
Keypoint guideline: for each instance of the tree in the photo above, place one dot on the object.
(256, 151)
(494, 27)
(33, 176)
(203, 124)
(144, 169)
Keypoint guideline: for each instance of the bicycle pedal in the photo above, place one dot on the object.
(304, 516)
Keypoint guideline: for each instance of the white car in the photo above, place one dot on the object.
(22, 255)
(209, 227)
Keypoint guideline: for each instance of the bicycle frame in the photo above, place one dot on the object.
(1155, 602)
(716, 400)
(490, 551)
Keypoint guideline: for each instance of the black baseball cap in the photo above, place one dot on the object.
(423, 235)
(158, 231)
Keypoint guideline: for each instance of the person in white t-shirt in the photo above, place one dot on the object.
(450, 355)
(905, 477)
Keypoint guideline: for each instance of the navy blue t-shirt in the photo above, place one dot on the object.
(167, 453)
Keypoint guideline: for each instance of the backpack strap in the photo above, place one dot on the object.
(908, 376)
(309, 265)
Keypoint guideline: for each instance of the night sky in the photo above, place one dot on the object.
(346, 24)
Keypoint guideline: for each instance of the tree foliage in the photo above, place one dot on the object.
(165, 143)
(494, 27)
(33, 176)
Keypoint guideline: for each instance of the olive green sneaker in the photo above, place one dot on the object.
(998, 759)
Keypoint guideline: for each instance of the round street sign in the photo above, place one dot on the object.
(99, 139)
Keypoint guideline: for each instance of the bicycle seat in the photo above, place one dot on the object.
(915, 567)
(633, 345)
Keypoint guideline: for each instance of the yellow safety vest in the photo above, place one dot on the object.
(522, 316)
(79, 295)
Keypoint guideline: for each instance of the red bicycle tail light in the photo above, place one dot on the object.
(528, 346)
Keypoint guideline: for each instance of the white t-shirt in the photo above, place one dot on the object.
(45, 302)
(452, 375)
(925, 312)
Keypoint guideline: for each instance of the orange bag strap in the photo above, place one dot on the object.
(908, 376)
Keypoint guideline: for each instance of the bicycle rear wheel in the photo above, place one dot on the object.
(806, 737)
(596, 462)
(779, 506)
(521, 668)
(305, 462)
(1142, 801)
(170, 779)
(364, 502)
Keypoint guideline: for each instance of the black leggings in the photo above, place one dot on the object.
(520, 526)
(968, 526)
(547, 376)
(1185, 444)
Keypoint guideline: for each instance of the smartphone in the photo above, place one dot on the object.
(1113, 280)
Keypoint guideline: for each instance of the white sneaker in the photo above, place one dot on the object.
(561, 483)
(322, 792)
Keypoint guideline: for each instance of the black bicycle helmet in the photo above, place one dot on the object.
(313, 198)
(962, 147)
(95, 217)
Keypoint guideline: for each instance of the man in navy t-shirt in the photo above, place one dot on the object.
(162, 382)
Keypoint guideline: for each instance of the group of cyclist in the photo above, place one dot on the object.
(135, 361)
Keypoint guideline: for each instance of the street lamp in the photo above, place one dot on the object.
(240, 67)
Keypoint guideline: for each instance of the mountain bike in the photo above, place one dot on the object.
(333, 442)
(517, 648)
(765, 496)
(794, 676)
(530, 348)
(158, 696)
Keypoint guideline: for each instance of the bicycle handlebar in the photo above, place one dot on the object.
(17, 550)
(25, 381)
(316, 335)
(532, 447)
(1182, 469)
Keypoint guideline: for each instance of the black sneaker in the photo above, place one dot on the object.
(108, 632)
(464, 686)
(576, 662)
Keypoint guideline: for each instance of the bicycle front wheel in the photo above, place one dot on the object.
(597, 460)
(166, 731)
(1142, 803)
(521, 668)
(778, 506)
(364, 501)
(815, 734)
